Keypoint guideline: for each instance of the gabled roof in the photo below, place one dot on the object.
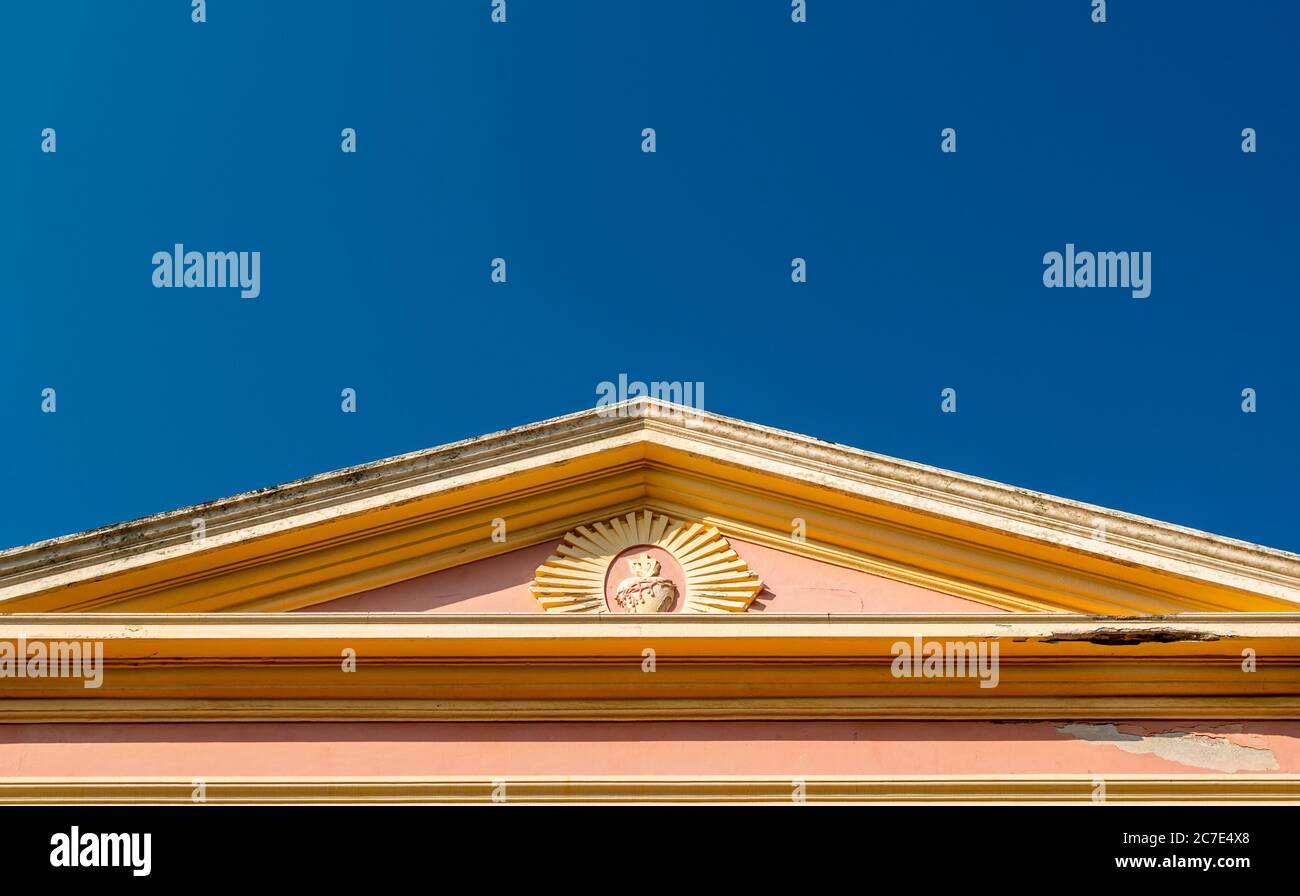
(305, 542)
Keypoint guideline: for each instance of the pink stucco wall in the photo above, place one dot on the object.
(644, 748)
(794, 585)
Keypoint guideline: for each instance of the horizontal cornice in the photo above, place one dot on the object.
(772, 790)
(124, 632)
(178, 667)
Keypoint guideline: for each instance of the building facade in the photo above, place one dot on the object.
(647, 603)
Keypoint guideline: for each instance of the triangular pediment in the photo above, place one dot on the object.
(353, 531)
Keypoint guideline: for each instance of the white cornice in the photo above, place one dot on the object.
(1018, 513)
(418, 633)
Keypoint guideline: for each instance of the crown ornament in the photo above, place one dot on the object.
(644, 567)
(645, 591)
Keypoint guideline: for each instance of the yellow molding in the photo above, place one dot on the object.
(954, 534)
(301, 573)
(554, 666)
(980, 565)
(293, 545)
(303, 568)
(771, 790)
(996, 708)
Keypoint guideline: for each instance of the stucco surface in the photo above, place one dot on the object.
(793, 585)
(645, 748)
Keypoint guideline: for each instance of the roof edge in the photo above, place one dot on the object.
(907, 478)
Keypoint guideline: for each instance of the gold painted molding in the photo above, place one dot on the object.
(999, 708)
(310, 541)
(770, 790)
(226, 667)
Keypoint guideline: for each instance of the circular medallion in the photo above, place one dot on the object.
(645, 563)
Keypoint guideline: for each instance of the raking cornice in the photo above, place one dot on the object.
(606, 460)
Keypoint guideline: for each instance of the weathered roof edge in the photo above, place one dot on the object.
(109, 543)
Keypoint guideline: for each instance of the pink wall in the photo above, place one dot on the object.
(643, 748)
(794, 585)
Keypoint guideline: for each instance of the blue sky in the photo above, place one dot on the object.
(774, 140)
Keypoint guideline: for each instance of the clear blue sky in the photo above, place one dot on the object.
(775, 140)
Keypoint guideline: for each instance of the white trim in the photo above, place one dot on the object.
(1021, 513)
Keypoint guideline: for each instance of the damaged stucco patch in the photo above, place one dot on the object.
(1219, 752)
(1128, 637)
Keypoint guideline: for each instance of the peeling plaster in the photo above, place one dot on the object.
(1216, 752)
(1131, 637)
